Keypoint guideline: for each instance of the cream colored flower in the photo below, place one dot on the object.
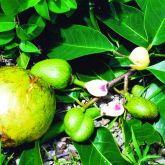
(140, 58)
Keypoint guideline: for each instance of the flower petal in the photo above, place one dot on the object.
(113, 108)
(97, 88)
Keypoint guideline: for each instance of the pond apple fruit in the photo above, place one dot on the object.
(78, 125)
(56, 72)
(27, 106)
(141, 108)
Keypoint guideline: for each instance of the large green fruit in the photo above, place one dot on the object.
(78, 125)
(56, 72)
(142, 108)
(27, 106)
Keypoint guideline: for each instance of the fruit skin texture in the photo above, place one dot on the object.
(56, 72)
(27, 106)
(137, 90)
(142, 108)
(78, 125)
(140, 58)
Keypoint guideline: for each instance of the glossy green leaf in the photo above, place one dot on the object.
(155, 21)
(156, 92)
(23, 60)
(6, 23)
(28, 47)
(142, 4)
(159, 126)
(32, 29)
(42, 9)
(6, 37)
(61, 6)
(102, 149)
(79, 41)
(31, 156)
(150, 136)
(67, 97)
(127, 22)
(10, 7)
(16, 6)
(21, 33)
(158, 70)
(54, 130)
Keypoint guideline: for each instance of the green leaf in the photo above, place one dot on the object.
(22, 34)
(6, 23)
(42, 9)
(31, 156)
(136, 145)
(16, 6)
(158, 70)
(79, 41)
(23, 60)
(142, 4)
(32, 29)
(28, 47)
(159, 99)
(159, 126)
(6, 37)
(127, 22)
(54, 130)
(155, 21)
(10, 7)
(62, 6)
(144, 133)
(102, 149)
(68, 97)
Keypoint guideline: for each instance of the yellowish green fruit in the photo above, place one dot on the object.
(142, 108)
(78, 125)
(56, 72)
(140, 58)
(27, 106)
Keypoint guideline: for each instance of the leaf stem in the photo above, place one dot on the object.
(110, 84)
(119, 54)
(92, 15)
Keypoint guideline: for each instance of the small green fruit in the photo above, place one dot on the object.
(142, 108)
(137, 90)
(27, 106)
(56, 72)
(78, 125)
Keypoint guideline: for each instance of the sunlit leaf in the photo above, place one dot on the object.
(77, 41)
(23, 60)
(155, 21)
(127, 22)
(62, 6)
(102, 149)
(31, 156)
(6, 23)
(158, 70)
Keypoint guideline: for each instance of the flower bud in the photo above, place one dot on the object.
(140, 58)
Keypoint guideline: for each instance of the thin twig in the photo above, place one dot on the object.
(118, 79)
(110, 84)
